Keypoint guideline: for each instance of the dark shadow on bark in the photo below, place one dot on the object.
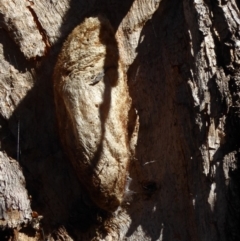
(158, 86)
(238, 3)
(51, 180)
(12, 54)
(167, 121)
(165, 52)
(232, 146)
(228, 184)
(110, 80)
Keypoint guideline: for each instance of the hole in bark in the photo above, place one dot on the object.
(149, 186)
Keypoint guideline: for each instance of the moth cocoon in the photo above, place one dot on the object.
(92, 105)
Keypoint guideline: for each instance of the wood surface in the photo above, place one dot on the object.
(181, 61)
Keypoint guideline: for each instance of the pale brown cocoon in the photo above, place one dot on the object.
(92, 104)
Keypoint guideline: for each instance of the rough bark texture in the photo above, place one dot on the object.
(181, 62)
(15, 203)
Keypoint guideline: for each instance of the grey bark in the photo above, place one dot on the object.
(181, 59)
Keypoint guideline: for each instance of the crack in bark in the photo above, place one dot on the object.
(41, 30)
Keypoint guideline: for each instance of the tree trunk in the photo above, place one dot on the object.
(170, 168)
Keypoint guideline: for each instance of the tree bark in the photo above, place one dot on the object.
(180, 62)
